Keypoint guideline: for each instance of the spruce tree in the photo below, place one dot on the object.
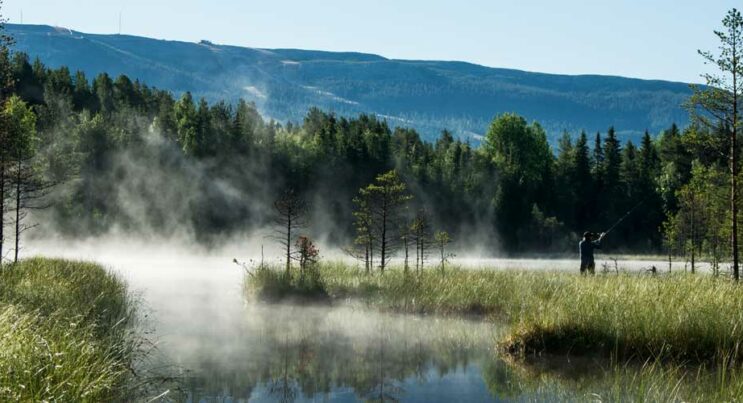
(612, 191)
(583, 184)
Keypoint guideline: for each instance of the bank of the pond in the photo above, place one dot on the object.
(64, 329)
(681, 317)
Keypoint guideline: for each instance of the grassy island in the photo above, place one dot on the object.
(684, 318)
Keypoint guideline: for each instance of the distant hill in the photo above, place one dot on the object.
(426, 95)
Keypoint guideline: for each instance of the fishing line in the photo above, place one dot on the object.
(624, 216)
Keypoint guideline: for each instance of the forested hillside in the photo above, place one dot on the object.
(130, 158)
(426, 95)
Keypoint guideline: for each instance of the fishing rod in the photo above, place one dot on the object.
(623, 217)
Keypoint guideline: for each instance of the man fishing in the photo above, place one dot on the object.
(586, 246)
(589, 243)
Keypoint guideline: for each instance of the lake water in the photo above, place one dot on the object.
(219, 347)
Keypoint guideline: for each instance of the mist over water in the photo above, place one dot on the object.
(219, 346)
(225, 348)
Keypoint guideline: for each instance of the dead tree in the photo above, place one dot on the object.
(290, 216)
(442, 240)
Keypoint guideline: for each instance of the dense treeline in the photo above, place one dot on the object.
(133, 158)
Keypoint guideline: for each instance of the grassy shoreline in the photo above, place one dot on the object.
(683, 318)
(66, 332)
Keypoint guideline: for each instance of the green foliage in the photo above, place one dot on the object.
(517, 149)
(382, 203)
(66, 332)
(524, 162)
(716, 106)
(21, 128)
(147, 162)
(699, 228)
(274, 284)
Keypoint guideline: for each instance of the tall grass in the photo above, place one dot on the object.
(680, 317)
(272, 284)
(647, 382)
(64, 332)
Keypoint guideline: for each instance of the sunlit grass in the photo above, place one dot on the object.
(669, 338)
(681, 317)
(63, 332)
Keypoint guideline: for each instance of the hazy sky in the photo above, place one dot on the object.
(636, 38)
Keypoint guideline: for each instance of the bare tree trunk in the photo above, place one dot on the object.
(443, 260)
(734, 166)
(384, 237)
(18, 197)
(405, 245)
(288, 242)
(670, 260)
(693, 233)
(417, 254)
(734, 201)
(693, 248)
(366, 257)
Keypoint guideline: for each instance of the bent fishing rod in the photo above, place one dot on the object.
(623, 217)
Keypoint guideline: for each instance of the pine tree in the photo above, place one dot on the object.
(716, 105)
(420, 232)
(386, 197)
(290, 216)
(364, 227)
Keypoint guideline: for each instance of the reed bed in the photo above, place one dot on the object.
(683, 317)
(64, 332)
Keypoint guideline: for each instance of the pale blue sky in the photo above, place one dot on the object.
(635, 38)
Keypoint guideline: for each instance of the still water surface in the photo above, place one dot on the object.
(222, 348)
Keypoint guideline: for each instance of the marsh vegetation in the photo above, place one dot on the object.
(630, 315)
(403, 318)
(650, 331)
(66, 332)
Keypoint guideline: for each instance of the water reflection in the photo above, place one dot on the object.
(221, 349)
(290, 353)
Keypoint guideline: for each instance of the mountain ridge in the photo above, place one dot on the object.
(428, 95)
